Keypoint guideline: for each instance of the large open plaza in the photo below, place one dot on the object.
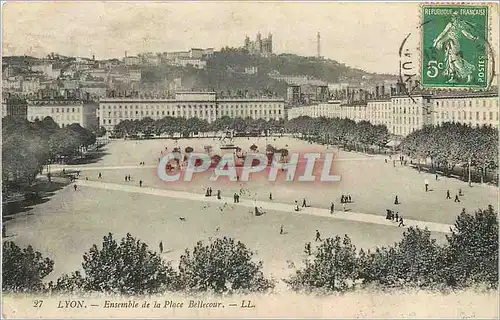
(179, 214)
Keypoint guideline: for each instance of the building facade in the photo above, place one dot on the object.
(14, 107)
(203, 105)
(379, 112)
(331, 109)
(466, 108)
(64, 113)
(410, 114)
(403, 115)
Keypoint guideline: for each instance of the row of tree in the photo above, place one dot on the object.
(469, 257)
(193, 126)
(362, 135)
(452, 144)
(27, 146)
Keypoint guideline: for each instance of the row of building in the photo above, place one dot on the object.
(404, 114)
(109, 112)
(400, 114)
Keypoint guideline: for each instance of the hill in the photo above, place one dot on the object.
(226, 71)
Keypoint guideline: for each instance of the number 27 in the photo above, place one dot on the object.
(37, 303)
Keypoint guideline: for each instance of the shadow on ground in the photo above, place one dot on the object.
(34, 195)
(91, 157)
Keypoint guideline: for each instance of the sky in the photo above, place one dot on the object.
(362, 35)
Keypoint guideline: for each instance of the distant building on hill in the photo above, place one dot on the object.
(261, 46)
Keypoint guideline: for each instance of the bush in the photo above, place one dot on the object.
(222, 266)
(125, 268)
(333, 268)
(23, 270)
(472, 251)
(414, 261)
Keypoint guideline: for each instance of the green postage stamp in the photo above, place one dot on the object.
(454, 46)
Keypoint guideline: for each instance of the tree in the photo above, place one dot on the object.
(64, 142)
(127, 267)
(224, 265)
(23, 269)
(333, 268)
(471, 253)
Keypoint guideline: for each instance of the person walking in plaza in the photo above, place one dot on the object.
(401, 224)
(126, 178)
(234, 197)
(456, 198)
(332, 208)
(270, 196)
(140, 183)
(281, 229)
(74, 186)
(342, 199)
(210, 191)
(100, 176)
(437, 177)
(397, 216)
(349, 198)
(304, 204)
(318, 236)
(448, 194)
(296, 206)
(218, 195)
(308, 248)
(161, 246)
(426, 182)
(460, 192)
(396, 200)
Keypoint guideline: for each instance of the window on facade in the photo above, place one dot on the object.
(484, 115)
(477, 116)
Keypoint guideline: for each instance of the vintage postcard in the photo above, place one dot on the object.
(249, 159)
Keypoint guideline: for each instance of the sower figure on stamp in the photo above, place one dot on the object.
(456, 68)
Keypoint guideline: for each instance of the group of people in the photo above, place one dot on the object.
(345, 198)
(128, 178)
(208, 193)
(395, 217)
(457, 196)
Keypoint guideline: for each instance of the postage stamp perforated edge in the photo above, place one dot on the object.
(491, 66)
